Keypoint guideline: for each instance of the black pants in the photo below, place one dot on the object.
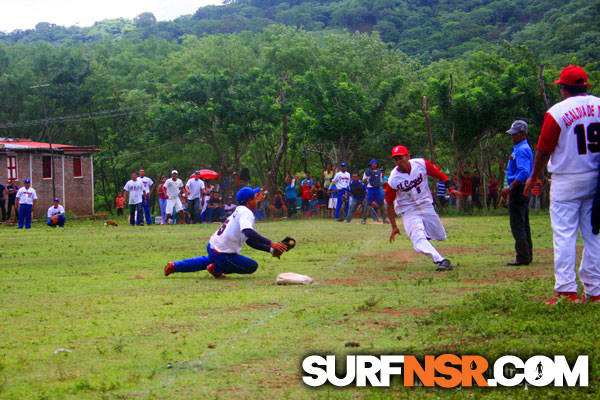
(518, 208)
(11, 205)
(4, 216)
(194, 209)
(291, 206)
(140, 213)
(492, 199)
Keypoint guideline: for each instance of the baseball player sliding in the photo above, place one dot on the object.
(570, 140)
(407, 194)
(225, 244)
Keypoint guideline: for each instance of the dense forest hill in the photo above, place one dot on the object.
(556, 30)
(273, 86)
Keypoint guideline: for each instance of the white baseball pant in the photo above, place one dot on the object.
(569, 215)
(421, 224)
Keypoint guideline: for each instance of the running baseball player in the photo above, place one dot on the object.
(570, 140)
(407, 194)
(226, 243)
(341, 180)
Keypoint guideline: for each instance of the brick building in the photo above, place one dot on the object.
(72, 175)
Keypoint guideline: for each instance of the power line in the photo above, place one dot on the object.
(117, 112)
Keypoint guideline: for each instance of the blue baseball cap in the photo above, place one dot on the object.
(246, 193)
(26, 181)
(56, 199)
(344, 164)
(373, 161)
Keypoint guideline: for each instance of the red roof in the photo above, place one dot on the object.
(28, 144)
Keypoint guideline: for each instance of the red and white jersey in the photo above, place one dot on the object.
(571, 133)
(412, 189)
(26, 196)
(341, 180)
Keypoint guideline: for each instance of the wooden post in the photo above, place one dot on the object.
(453, 138)
(542, 86)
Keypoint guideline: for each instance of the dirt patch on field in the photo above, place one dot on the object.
(345, 282)
(465, 250)
(519, 274)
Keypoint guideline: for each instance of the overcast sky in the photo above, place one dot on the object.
(25, 14)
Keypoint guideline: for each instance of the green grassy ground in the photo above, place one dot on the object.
(134, 334)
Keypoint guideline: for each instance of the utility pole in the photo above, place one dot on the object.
(47, 130)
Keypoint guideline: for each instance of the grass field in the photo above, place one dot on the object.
(134, 334)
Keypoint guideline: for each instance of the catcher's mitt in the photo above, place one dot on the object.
(288, 242)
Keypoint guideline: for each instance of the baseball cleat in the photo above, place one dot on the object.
(211, 269)
(169, 268)
(444, 265)
(563, 297)
(364, 221)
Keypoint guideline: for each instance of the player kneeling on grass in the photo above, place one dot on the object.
(407, 194)
(225, 244)
(56, 215)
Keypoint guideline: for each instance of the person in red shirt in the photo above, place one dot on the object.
(120, 201)
(466, 188)
(306, 187)
(492, 197)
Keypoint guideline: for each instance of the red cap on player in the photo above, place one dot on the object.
(573, 75)
(399, 151)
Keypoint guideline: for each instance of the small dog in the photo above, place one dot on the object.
(111, 223)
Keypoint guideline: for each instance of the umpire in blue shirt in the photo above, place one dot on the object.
(518, 170)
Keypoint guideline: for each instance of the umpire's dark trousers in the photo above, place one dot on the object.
(518, 207)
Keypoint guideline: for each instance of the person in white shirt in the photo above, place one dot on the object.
(173, 187)
(148, 187)
(195, 190)
(407, 194)
(570, 142)
(226, 243)
(229, 207)
(135, 188)
(56, 215)
(26, 200)
(341, 180)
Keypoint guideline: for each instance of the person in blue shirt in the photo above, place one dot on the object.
(290, 194)
(520, 165)
(357, 191)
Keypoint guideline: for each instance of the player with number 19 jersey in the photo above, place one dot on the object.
(571, 132)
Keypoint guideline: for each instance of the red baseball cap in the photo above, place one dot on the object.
(573, 75)
(399, 151)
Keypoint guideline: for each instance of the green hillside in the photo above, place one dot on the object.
(428, 29)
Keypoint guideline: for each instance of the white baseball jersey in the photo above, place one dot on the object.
(230, 238)
(573, 126)
(26, 196)
(135, 190)
(173, 187)
(341, 180)
(412, 189)
(55, 211)
(195, 187)
(147, 183)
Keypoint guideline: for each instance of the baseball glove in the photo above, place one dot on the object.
(289, 242)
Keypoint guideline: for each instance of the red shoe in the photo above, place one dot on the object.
(169, 268)
(591, 299)
(211, 269)
(560, 297)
